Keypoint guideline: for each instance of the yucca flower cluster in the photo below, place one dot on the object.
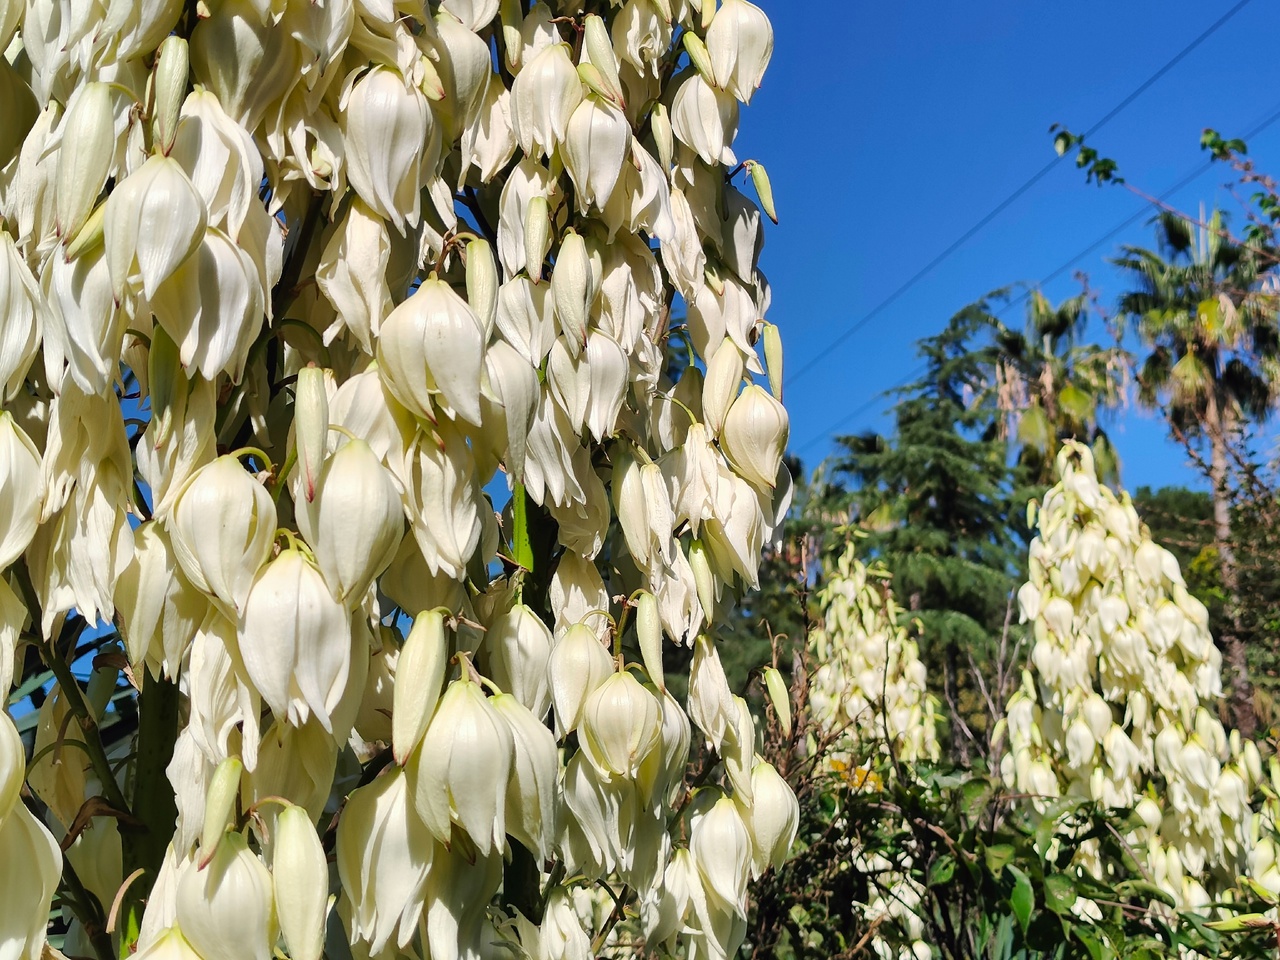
(1117, 704)
(869, 696)
(870, 684)
(335, 359)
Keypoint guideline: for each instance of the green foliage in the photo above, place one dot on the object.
(994, 880)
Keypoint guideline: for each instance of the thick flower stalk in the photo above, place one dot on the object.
(1117, 704)
(869, 698)
(336, 379)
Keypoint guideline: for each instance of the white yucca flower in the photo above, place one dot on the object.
(353, 416)
(1117, 704)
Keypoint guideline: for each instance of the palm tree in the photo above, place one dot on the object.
(1213, 367)
(1048, 385)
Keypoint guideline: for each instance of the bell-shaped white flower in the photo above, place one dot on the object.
(387, 126)
(596, 143)
(643, 505)
(383, 855)
(711, 705)
(212, 306)
(543, 98)
(578, 665)
(155, 220)
(420, 672)
(353, 273)
(460, 772)
(533, 791)
(26, 893)
(23, 306)
(518, 649)
(159, 610)
(13, 765)
(706, 120)
(621, 725)
(721, 846)
(431, 344)
(740, 44)
(222, 528)
(295, 639)
(562, 936)
(355, 521)
(444, 500)
(573, 289)
(772, 817)
(84, 161)
(754, 436)
(21, 479)
(227, 910)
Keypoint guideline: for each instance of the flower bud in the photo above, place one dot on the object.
(226, 910)
(155, 220)
(518, 648)
(311, 426)
(543, 97)
(621, 726)
(649, 636)
(720, 387)
(461, 770)
(573, 289)
(219, 806)
(578, 665)
(21, 479)
(740, 44)
(754, 436)
(433, 343)
(764, 190)
(355, 521)
(170, 84)
(222, 527)
(663, 136)
(772, 817)
(84, 161)
(704, 580)
(301, 881)
(419, 677)
(596, 144)
(537, 236)
(698, 56)
(482, 285)
(295, 639)
(776, 687)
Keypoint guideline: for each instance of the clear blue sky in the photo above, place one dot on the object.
(890, 129)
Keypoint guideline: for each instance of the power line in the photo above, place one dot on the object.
(1012, 197)
(1062, 268)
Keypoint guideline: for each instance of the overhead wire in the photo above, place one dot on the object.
(1009, 200)
(1198, 171)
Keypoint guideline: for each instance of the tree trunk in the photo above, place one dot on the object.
(1219, 424)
